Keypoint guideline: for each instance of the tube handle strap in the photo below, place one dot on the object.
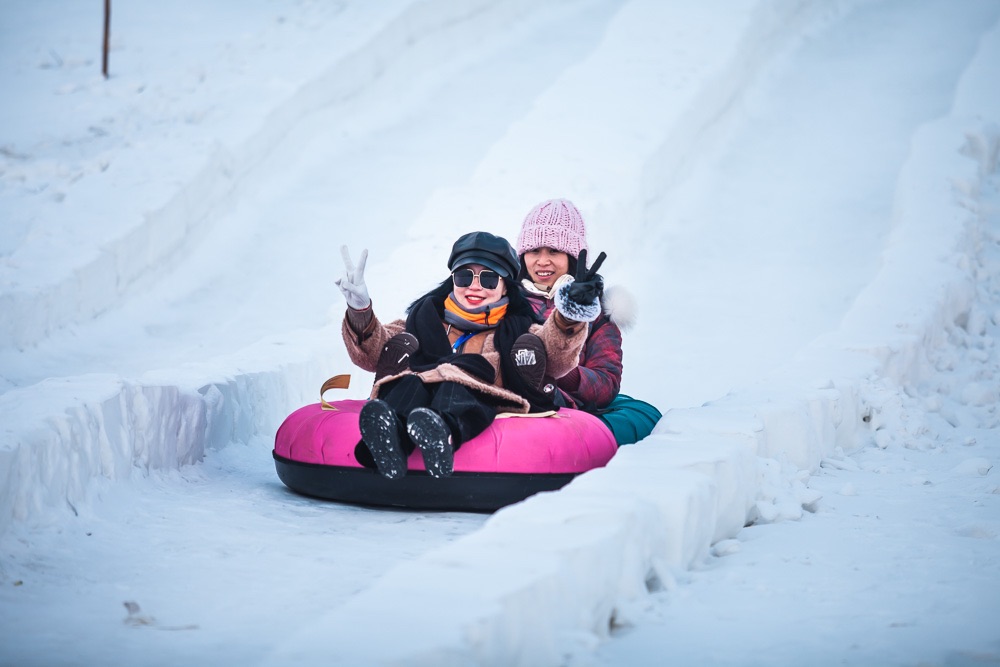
(336, 382)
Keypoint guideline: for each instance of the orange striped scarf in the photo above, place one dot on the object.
(484, 317)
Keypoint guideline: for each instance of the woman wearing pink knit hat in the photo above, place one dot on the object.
(551, 244)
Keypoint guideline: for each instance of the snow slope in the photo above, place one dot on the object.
(816, 262)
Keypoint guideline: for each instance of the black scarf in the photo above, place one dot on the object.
(426, 322)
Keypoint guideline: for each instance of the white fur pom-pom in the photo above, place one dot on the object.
(620, 306)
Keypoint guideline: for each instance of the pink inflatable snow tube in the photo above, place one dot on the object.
(569, 441)
(514, 458)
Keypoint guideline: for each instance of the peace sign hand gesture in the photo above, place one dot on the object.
(580, 300)
(588, 285)
(352, 284)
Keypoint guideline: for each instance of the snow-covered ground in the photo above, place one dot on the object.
(801, 196)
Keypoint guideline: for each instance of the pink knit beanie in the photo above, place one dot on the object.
(555, 224)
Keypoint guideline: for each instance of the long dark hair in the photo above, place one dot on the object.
(518, 320)
(517, 304)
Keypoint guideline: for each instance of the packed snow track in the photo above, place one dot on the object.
(785, 189)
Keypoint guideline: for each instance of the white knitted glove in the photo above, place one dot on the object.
(352, 284)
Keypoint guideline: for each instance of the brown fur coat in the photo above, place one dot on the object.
(563, 340)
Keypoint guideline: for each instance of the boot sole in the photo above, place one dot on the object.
(529, 355)
(396, 354)
(380, 431)
(431, 435)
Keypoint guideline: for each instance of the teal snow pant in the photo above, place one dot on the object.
(629, 419)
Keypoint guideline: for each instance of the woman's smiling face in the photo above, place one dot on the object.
(546, 265)
(475, 296)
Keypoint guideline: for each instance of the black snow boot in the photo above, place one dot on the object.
(428, 430)
(380, 430)
(528, 353)
(396, 353)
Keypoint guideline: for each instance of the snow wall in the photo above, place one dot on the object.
(626, 529)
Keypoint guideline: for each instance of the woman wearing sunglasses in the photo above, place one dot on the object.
(551, 246)
(466, 350)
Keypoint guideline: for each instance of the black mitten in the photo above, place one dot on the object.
(580, 299)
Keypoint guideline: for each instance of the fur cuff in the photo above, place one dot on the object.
(575, 311)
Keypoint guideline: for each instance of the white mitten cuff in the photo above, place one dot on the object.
(572, 310)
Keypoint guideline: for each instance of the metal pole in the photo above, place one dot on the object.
(107, 37)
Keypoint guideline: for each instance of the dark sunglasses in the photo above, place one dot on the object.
(487, 279)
